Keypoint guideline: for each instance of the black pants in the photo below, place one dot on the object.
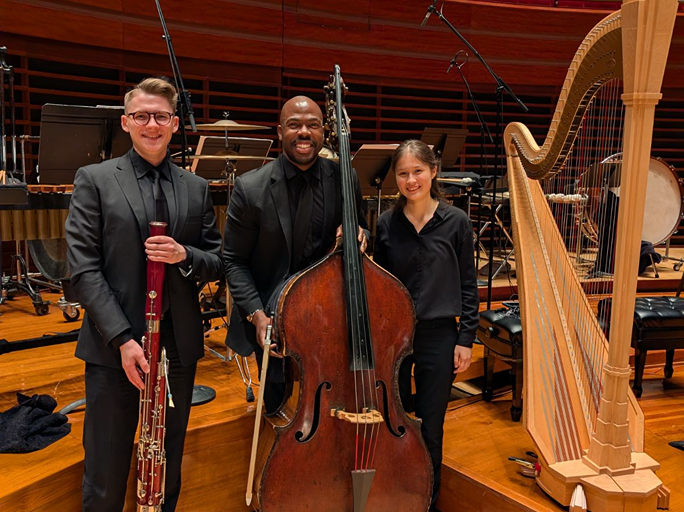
(433, 357)
(111, 419)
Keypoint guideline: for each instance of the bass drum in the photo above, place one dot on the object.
(664, 208)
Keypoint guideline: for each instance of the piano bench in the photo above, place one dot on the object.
(500, 332)
(658, 325)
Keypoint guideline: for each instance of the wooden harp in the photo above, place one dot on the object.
(578, 408)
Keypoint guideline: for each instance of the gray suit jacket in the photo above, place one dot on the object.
(258, 240)
(105, 232)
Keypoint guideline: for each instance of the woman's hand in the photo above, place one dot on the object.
(462, 358)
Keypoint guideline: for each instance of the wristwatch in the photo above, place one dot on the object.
(250, 317)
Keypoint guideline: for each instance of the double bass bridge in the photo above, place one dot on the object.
(366, 417)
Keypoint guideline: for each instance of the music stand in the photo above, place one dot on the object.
(372, 163)
(446, 143)
(73, 136)
(217, 169)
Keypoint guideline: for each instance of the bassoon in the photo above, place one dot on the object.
(151, 453)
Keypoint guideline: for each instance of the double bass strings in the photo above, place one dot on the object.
(348, 224)
(357, 301)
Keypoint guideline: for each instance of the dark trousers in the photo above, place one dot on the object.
(111, 418)
(433, 357)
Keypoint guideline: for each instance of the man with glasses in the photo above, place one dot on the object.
(108, 243)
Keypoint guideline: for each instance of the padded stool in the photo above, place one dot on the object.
(500, 332)
(658, 325)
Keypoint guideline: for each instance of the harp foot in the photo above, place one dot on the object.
(578, 502)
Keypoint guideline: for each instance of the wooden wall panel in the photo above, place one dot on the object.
(114, 5)
(220, 48)
(350, 15)
(526, 45)
(58, 24)
(262, 19)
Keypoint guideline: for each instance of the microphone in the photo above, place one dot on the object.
(453, 62)
(430, 10)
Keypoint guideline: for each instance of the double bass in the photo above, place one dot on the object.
(343, 443)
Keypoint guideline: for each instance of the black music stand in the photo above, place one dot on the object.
(446, 143)
(226, 146)
(372, 163)
(73, 136)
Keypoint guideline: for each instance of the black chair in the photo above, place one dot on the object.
(500, 331)
(658, 325)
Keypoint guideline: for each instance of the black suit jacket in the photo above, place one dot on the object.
(106, 230)
(258, 239)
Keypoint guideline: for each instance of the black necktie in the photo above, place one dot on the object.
(302, 223)
(161, 207)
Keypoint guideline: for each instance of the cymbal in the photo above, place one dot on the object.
(228, 125)
(229, 157)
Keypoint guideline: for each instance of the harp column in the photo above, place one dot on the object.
(646, 33)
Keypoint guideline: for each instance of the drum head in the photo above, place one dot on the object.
(663, 209)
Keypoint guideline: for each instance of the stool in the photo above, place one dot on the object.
(500, 331)
(658, 325)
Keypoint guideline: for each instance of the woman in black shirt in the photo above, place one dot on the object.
(428, 245)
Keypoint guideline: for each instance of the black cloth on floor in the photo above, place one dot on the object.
(31, 425)
(647, 252)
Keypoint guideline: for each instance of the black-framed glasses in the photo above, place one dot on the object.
(142, 118)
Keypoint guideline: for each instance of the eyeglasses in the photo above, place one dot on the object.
(142, 118)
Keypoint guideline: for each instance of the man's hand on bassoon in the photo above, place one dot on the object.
(164, 249)
(134, 362)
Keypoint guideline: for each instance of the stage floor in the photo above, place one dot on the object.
(478, 440)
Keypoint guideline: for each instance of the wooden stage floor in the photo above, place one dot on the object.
(479, 436)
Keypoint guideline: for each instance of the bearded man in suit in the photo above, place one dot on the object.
(282, 217)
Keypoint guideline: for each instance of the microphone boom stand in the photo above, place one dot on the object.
(184, 105)
(484, 131)
(501, 87)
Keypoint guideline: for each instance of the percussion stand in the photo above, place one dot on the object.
(6, 69)
(16, 196)
(234, 147)
(22, 143)
(241, 362)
